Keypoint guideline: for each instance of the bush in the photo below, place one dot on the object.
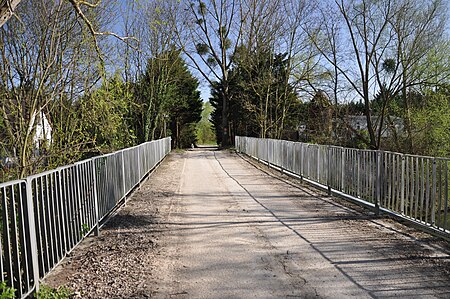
(46, 292)
(6, 292)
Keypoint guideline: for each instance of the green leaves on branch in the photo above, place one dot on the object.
(202, 8)
(106, 116)
(169, 100)
(6, 292)
(202, 49)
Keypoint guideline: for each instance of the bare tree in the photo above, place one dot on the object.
(255, 57)
(153, 25)
(301, 68)
(383, 45)
(209, 35)
(365, 25)
(418, 29)
(46, 64)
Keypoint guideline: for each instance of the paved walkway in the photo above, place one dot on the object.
(230, 230)
(239, 232)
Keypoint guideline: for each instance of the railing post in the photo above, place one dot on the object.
(329, 169)
(358, 173)
(433, 202)
(123, 178)
(94, 178)
(378, 183)
(402, 195)
(308, 159)
(139, 165)
(318, 164)
(294, 157)
(33, 238)
(342, 169)
(62, 210)
(301, 161)
(78, 195)
(259, 145)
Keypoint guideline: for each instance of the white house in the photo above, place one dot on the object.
(359, 122)
(43, 133)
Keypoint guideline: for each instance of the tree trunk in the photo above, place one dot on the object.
(225, 95)
(367, 112)
(409, 142)
(177, 135)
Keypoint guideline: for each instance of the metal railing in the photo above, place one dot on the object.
(413, 187)
(44, 216)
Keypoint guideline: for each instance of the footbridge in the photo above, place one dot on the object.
(276, 219)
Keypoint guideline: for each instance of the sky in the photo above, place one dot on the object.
(118, 28)
(204, 85)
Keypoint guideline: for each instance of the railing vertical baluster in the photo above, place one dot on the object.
(139, 163)
(402, 195)
(378, 182)
(445, 224)
(15, 274)
(318, 163)
(342, 169)
(32, 229)
(433, 195)
(97, 217)
(358, 173)
(124, 177)
(329, 170)
(301, 161)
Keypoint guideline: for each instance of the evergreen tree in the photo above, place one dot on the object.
(168, 101)
(260, 104)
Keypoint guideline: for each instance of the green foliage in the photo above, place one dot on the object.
(202, 49)
(317, 115)
(202, 8)
(6, 292)
(46, 292)
(227, 43)
(105, 115)
(211, 61)
(169, 100)
(431, 125)
(187, 136)
(261, 101)
(389, 65)
(84, 229)
(2, 124)
(205, 133)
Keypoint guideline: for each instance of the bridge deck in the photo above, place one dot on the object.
(209, 224)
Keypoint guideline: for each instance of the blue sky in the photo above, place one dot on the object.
(204, 86)
(118, 28)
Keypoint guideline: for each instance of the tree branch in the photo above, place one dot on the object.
(7, 8)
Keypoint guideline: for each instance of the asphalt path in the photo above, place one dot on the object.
(240, 232)
(213, 224)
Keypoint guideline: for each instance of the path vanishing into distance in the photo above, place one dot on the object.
(213, 224)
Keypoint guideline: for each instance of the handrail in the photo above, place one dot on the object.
(45, 216)
(413, 187)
